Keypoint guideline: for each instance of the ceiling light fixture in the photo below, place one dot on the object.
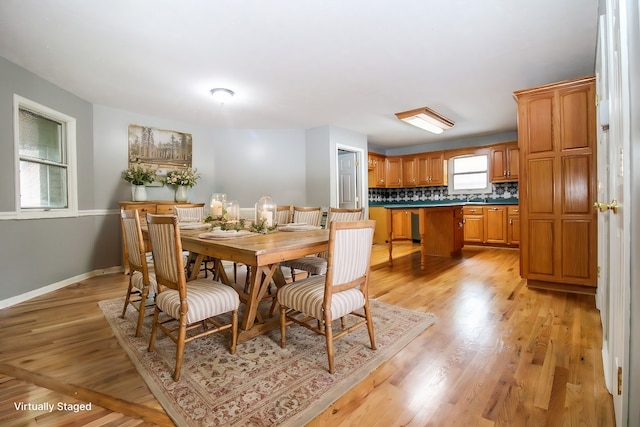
(221, 94)
(427, 119)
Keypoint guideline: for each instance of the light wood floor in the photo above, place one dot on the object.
(500, 354)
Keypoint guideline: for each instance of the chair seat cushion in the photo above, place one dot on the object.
(136, 282)
(306, 296)
(205, 299)
(311, 264)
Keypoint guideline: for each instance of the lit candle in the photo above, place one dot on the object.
(268, 218)
(216, 208)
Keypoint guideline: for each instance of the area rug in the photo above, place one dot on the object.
(262, 384)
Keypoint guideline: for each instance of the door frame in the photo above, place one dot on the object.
(361, 178)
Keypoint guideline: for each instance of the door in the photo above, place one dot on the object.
(614, 70)
(347, 180)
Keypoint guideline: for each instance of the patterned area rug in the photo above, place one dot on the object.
(262, 384)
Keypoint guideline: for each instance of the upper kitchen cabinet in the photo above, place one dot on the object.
(431, 169)
(504, 162)
(394, 171)
(409, 178)
(557, 137)
(377, 170)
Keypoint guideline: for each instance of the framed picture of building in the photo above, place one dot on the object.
(160, 149)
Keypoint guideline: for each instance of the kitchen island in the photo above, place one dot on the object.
(441, 225)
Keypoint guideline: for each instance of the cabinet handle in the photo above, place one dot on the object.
(493, 209)
(472, 210)
(516, 210)
(510, 221)
(504, 173)
(508, 173)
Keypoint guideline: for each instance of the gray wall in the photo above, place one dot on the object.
(37, 253)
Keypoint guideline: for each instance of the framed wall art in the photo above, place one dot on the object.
(161, 150)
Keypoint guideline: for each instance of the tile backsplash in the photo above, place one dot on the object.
(506, 190)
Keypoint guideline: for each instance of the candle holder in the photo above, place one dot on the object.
(266, 211)
(232, 209)
(216, 204)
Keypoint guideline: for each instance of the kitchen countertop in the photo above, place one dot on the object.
(442, 203)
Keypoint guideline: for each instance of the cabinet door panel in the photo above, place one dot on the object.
(540, 186)
(473, 228)
(540, 128)
(541, 248)
(495, 225)
(576, 182)
(574, 113)
(576, 249)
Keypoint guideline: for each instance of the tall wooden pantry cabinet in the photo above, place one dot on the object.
(557, 141)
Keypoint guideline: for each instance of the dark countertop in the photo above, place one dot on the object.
(442, 203)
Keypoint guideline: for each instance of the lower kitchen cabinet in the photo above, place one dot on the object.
(492, 225)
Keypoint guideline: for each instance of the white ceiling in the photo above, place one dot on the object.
(306, 63)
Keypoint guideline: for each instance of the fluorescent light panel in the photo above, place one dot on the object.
(427, 119)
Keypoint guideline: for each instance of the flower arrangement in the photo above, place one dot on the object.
(138, 174)
(186, 177)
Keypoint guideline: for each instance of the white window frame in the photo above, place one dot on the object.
(485, 190)
(69, 141)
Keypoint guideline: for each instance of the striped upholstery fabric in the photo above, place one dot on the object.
(190, 214)
(131, 240)
(164, 249)
(312, 217)
(138, 283)
(204, 299)
(344, 215)
(318, 264)
(307, 297)
(310, 264)
(283, 214)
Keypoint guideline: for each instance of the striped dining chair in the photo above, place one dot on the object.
(317, 264)
(181, 308)
(142, 281)
(317, 301)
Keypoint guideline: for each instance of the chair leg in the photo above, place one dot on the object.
(127, 299)
(143, 300)
(234, 331)
(328, 333)
(283, 326)
(367, 314)
(154, 328)
(182, 334)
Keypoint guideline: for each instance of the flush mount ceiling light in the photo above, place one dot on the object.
(221, 94)
(427, 119)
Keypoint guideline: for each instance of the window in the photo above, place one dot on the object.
(45, 147)
(469, 175)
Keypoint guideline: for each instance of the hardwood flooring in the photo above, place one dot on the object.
(499, 355)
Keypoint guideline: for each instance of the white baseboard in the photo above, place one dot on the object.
(55, 286)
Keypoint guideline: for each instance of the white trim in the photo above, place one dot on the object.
(70, 161)
(90, 212)
(55, 286)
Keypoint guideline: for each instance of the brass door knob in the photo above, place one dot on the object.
(603, 207)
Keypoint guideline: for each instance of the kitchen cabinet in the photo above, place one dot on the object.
(557, 137)
(376, 170)
(504, 162)
(431, 169)
(513, 225)
(401, 219)
(409, 178)
(473, 224)
(380, 233)
(441, 232)
(495, 224)
(394, 171)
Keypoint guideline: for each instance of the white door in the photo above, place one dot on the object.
(619, 229)
(348, 180)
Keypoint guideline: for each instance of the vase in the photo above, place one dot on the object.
(181, 194)
(138, 193)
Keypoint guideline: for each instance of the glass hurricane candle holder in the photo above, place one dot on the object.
(216, 204)
(266, 211)
(232, 209)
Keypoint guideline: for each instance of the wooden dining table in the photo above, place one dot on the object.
(263, 254)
